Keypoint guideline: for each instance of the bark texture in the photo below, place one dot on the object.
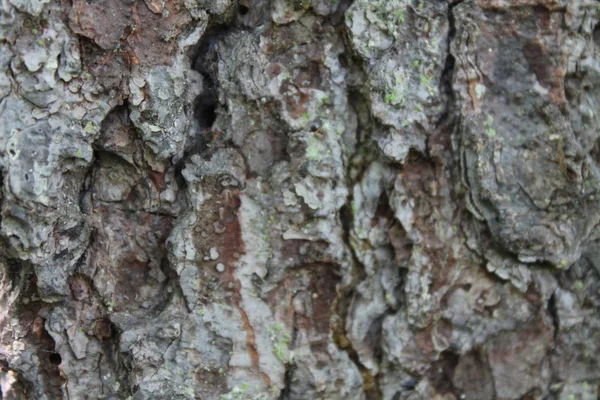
(300, 199)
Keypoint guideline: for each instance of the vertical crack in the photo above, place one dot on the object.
(342, 305)
(204, 60)
(448, 117)
(553, 312)
(447, 121)
(345, 295)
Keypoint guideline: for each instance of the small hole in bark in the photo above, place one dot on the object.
(205, 105)
(243, 10)
(55, 359)
(26, 177)
(207, 115)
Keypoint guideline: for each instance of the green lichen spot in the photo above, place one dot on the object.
(279, 340)
(400, 15)
(393, 98)
(354, 207)
(312, 153)
(305, 117)
(89, 127)
(487, 125)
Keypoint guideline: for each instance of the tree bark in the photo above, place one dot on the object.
(299, 199)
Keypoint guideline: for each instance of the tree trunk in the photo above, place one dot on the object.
(299, 199)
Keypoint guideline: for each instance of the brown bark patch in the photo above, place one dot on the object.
(128, 251)
(154, 39)
(548, 75)
(103, 22)
(308, 294)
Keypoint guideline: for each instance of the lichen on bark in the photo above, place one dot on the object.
(284, 199)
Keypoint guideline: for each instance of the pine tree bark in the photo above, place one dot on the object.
(299, 199)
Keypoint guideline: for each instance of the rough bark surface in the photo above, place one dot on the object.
(300, 199)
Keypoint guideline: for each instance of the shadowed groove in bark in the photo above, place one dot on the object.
(553, 312)
(345, 294)
(50, 359)
(205, 107)
(204, 57)
(449, 117)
